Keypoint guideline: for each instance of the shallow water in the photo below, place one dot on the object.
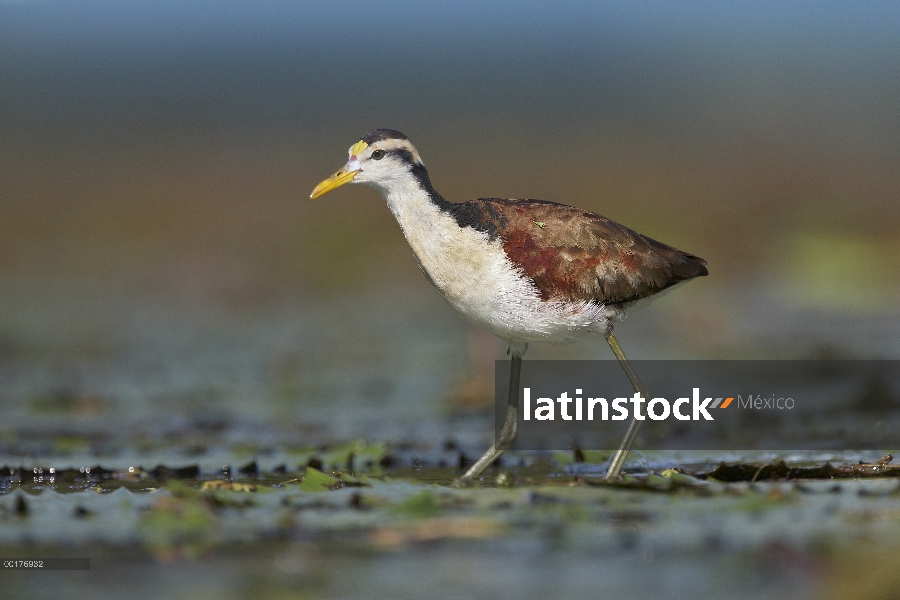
(403, 530)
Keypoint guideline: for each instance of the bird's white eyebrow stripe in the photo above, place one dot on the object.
(394, 144)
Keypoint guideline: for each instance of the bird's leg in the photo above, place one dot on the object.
(618, 459)
(510, 429)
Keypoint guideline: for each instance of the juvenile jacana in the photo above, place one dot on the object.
(525, 270)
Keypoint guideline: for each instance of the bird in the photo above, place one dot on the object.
(525, 270)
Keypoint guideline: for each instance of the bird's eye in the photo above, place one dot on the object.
(378, 154)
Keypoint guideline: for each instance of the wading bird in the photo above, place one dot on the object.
(525, 270)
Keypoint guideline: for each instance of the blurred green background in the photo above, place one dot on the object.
(160, 261)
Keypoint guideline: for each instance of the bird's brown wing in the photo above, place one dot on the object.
(572, 254)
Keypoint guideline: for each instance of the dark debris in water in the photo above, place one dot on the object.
(186, 512)
(782, 472)
(328, 468)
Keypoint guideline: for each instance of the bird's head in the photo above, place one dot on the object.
(381, 158)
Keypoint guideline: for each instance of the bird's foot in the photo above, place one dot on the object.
(464, 482)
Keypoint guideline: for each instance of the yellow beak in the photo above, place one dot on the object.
(335, 181)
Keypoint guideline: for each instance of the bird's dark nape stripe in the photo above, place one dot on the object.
(421, 176)
(376, 135)
(476, 214)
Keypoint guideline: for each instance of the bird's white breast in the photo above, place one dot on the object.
(478, 279)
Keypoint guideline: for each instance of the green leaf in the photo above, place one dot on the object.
(317, 481)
